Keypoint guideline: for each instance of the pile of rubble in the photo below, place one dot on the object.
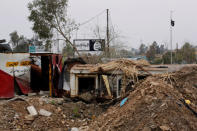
(158, 103)
(184, 80)
(43, 113)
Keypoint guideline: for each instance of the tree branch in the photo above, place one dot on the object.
(58, 28)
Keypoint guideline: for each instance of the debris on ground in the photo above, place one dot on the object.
(54, 113)
(32, 111)
(185, 81)
(123, 101)
(164, 102)
(44, 112)
(157, 103)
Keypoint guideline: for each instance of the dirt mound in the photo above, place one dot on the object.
(154, 105)
(185, 81)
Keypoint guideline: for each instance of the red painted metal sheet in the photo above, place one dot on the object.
(24, 85)
(6, 85)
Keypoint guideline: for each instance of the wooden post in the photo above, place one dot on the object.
(50, 79)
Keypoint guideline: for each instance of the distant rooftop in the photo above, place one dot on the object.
(5, 48)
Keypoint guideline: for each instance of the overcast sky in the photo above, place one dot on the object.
(137, 20)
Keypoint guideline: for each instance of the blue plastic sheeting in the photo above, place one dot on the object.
(123, 101)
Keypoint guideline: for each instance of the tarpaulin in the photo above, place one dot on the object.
(65, 76)
(57, 61)
(6, 85)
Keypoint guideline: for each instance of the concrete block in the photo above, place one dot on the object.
(44, 112)
(32, 110)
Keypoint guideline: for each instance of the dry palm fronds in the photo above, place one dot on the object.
(129, 68)
(168, 77)
(143, 62)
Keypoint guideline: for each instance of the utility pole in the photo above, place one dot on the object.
(172, 23)
(177, 49)
(108, 33)
(171, 34)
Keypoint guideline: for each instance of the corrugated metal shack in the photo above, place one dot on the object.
(45, 72)
(22, 73)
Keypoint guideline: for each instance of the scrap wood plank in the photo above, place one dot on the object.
(105, 78)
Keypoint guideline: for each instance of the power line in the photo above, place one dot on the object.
(111, 26)
(91, 18)
(114, 35)
(111, 20)
(112, 23)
